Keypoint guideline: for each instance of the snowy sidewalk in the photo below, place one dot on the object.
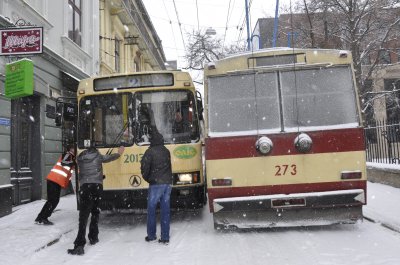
(383, 205)
(20, 237)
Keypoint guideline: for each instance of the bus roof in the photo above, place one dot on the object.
(136, 80)
(277, 57)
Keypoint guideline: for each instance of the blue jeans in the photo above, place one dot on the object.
(158, 193)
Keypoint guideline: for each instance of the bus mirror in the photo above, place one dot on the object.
(200, 109)
(59, 116)
(69, 111)
(58, 119)
(199, 105)
(65, 112)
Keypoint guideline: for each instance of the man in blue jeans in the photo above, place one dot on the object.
(156, 170)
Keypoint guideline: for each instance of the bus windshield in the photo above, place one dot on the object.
(172, 113)
(282, 100)
(111, 120)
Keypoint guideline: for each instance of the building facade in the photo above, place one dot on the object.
(30, 142)
(128, 40)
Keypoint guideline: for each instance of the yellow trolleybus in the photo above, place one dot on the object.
(284, 140)
(122, 110)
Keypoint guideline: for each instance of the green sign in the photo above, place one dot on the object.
(185, 152)
(19, 79)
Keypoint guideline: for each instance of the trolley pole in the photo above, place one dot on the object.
(247, 25)
(275, 24)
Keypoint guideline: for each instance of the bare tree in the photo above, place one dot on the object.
(202, 48)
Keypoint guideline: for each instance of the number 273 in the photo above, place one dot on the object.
(282, 170)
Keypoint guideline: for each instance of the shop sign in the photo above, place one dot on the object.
(5, 122)
(21, 41)
(19, 79)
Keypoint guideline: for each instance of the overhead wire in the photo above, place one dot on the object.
(180, 25)
(172, 28)
(226, 24)
(198, 23)
(244, 21)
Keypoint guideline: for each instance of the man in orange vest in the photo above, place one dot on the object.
(59, 177)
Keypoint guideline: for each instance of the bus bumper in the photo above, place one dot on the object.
(187, 197)
(281, 210)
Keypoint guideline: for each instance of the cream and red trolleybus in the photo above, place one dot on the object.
(284, 139)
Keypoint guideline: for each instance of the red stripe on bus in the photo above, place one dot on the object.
(229, 192)
(340, 140)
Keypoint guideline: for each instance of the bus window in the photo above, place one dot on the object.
(172, 113)
(325, 97)
(233, 107)
(104, 121)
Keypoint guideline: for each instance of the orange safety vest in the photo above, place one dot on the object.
(60, 174)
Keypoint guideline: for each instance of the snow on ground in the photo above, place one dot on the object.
(194, 240)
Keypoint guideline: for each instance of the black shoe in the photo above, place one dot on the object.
(148, 239)
(43, 221)
(162, 241)
(93, 241)
(77, 250)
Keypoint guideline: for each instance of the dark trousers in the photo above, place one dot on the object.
(53, 197)
(90, 195)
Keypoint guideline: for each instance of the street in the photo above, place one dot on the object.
(194, 240)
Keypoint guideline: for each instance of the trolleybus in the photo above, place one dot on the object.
(123, 109)
(284, 141)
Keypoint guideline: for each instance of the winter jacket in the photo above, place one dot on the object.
(61, 173)
(156, 162)
(90, 165)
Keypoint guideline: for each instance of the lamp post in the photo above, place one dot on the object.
(210, 31)
(247, 25)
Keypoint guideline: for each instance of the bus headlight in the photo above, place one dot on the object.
(186, 178)
(303, 143)
(264, 145)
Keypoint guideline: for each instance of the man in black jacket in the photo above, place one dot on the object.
(156, 170)
(90, 190)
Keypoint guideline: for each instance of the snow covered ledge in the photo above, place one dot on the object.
(388, 174)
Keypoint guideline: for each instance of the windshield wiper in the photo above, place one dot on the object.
(118, 138)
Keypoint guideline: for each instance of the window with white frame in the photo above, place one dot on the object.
(74, 21)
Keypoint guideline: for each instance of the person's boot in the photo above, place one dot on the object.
(43, 221)
(148, 239)
(46, 221)
(77, 250)
(163, 241)
(93, 241)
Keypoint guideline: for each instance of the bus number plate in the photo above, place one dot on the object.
(133, 158)
(283, 170)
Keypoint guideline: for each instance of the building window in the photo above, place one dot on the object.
(393, 99)
(398, 55)
(74, 21)
(117, 55)
(384, 57)
(368, 101)
(137, 64)
(365, 60)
